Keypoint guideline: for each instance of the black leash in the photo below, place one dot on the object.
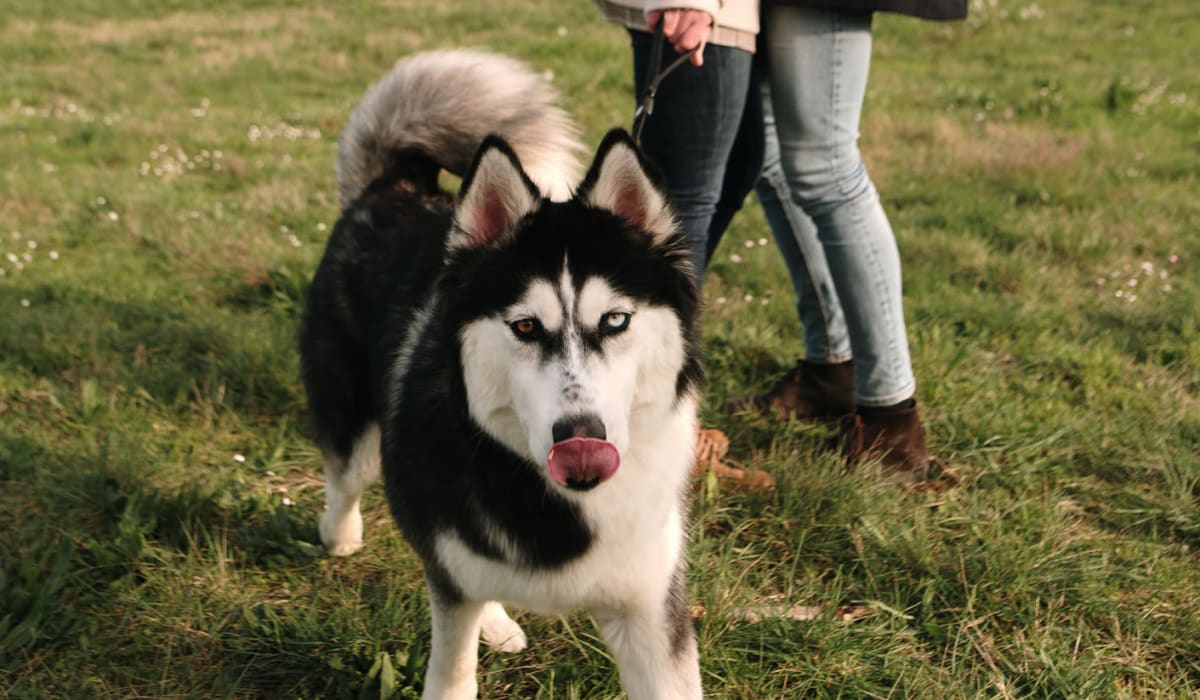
(646, 106)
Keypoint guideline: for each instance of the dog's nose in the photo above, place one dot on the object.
(585, 426)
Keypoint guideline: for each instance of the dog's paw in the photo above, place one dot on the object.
(499, 631)
(343, 550)
(342, 534)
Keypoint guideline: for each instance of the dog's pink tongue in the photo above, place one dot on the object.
(581, 463)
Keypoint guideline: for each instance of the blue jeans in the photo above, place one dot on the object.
(823, 209)
(705, 135)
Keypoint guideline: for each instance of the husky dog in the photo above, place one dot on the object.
(523, 360)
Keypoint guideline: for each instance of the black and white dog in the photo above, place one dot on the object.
(524, 360)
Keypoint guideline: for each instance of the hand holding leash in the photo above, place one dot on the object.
(687, 30)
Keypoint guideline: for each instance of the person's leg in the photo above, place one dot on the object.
(818, 63)
(826, 339)
(821, 385)
(744, 166)
(691, 134)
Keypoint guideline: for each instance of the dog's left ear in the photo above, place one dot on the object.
(496, 195)
(619, 181)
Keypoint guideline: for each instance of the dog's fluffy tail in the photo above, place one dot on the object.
(443, 103)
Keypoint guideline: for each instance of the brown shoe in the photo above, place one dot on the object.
(895, 437)
(810, 391)
(711, 447)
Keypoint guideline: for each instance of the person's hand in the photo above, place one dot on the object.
(685, 29)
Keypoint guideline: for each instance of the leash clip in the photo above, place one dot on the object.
(646, 107)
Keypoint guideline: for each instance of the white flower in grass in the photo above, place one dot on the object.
(53, 255)
(113, 216)
(763, 241)
(748, 298)
(721, 300)
(288, 502)
(749, 244)
(735, 258)
(1032, 12)
(25, 303)
(240, 459)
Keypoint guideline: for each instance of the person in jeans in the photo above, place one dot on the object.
(832, 231)
(827, 219)
(705, 133)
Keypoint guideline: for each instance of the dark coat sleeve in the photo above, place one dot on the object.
(925, 9)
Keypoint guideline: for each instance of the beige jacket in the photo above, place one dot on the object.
(735, 22)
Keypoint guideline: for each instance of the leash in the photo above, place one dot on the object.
(646, 106)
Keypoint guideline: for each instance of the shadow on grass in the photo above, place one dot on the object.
(173, 351)
(214, 580)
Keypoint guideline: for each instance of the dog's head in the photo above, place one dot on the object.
(576, 320)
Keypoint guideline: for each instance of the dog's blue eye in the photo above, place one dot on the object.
(527, 329)
(614, 322)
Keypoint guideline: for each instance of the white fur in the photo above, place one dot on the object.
(341, 525)
(517, 398)
(624, 577)
(499, 631)
(404, 356)
(636, 516)
(624, 188)
(493, 204)
(446, 102)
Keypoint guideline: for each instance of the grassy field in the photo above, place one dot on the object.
(166, 185)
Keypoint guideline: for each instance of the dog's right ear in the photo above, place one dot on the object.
(496, 195)
(620, 181)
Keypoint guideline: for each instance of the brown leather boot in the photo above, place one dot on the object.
(810, 391)
(711, 447)
(894, 436)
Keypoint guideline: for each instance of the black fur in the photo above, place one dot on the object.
(679, 615)
(386, 255)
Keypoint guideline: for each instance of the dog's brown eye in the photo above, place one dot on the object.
(525, 328)
(614, 322)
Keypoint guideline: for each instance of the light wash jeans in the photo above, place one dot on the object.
(705, 135)
(823, 209)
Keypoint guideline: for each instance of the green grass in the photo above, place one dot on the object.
(158, 491)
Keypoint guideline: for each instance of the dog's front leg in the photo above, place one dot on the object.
(655, 648)
(454, 652)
